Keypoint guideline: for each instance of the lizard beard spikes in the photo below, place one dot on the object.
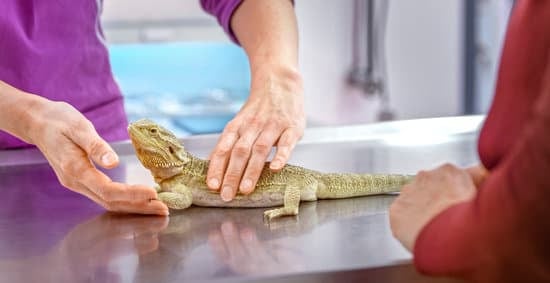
(153, 161)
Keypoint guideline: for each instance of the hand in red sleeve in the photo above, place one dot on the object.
(427, 195)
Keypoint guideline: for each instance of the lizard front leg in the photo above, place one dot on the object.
(176, 195)
(157, 188)
(291, 204)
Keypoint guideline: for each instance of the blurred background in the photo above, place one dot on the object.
(362, 61)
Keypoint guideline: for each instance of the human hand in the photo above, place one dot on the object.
(272, 116)
(478, 174)
(72, 146)
(93, 248)
(241, 251)
(430, 193)
(108, 236)
(91, 251)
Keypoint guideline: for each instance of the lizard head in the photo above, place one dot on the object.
(156, 147)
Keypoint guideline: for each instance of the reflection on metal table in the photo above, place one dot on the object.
(48, 233)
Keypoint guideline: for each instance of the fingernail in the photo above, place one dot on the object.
(108, 158)
(275, 164)
(227, 193)
(213, 183)
(246, 185)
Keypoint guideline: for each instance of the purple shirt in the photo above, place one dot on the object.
(56, 49)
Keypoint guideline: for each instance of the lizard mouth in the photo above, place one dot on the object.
(138, 139)
(133, 132)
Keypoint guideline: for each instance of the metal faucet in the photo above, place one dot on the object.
(368, 70)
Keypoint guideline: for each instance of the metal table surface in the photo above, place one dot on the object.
(50, 234)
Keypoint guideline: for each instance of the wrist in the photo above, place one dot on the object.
(276, 77)
(17, 111)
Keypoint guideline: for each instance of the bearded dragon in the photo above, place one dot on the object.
(181, 178)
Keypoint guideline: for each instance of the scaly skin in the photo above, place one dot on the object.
(181, 178)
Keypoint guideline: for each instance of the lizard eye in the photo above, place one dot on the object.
(171, 150)
(153, 131)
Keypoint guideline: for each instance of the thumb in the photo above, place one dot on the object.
(478, 174)
(95, 147)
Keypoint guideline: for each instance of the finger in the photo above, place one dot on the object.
(126, 226)
(286, 144)
(237, 163)
(154, 207)
(251, 243)
(477, 173)
(86, 137)
(146, 243)
(233, 242)
(109, 191)
(81, 176)
(216, 243)
(260, 152)
(219, 159)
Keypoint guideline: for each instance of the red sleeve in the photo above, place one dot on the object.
(503, 235)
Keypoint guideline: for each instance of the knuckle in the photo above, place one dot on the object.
(301, 120)
(298, 134)
(279, 124)
(286, 142)
(262, 148)
(95, 147)
(228, 132)
(292, 136)
(232, 126)
(422, 174)
(241, 150)
(255, 121)
(448, 167)
(232, 177)
(222, 151)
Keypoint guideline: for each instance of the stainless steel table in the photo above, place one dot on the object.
(49, 234)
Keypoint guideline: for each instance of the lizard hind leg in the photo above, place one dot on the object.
(291, 204)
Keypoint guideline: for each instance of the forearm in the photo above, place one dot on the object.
(267, 30)
(16, 110)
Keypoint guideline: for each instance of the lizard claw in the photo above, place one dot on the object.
(279, 212)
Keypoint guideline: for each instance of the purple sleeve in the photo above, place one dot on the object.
(223, 10)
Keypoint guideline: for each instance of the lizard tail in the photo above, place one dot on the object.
(332, 186)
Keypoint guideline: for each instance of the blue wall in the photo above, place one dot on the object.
(174, 82)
